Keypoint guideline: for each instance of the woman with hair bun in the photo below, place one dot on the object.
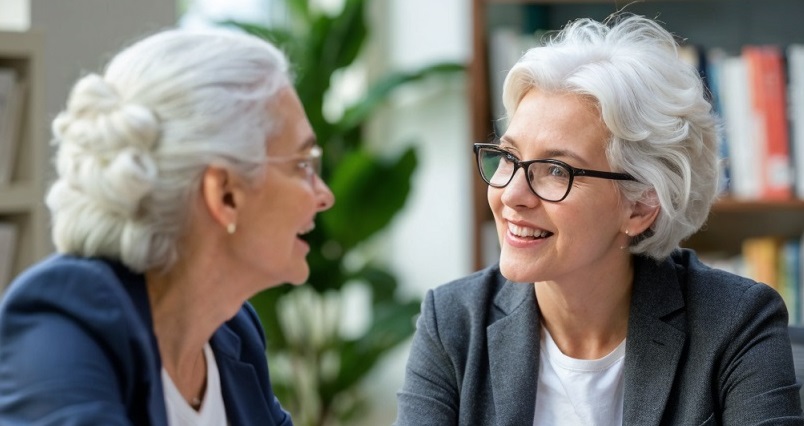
(188, 174)
(594, 315)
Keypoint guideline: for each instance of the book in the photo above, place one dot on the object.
(739, 125)
(800, 279)
(790, 273)
(768, 86)
(762, 257)
(12, 95)
(714, 69)
(795, 91)
(8, 243)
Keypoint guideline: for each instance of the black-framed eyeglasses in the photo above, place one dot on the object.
(551, 180)
(309, 164)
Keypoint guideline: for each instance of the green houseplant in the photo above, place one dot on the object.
(317, 370)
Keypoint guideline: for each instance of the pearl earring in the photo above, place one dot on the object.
(231, 228)
(627, 233)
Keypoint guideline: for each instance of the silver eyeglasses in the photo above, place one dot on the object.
(551, 180)
(309, 164)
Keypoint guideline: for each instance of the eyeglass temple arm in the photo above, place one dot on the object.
(604, 175)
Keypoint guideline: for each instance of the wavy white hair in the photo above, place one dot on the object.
(134, 142)
(663, 130)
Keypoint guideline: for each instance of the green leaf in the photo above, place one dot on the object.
(345, 36)
(369, 191)
(383, 285)
(332, 43)
(357, 114)
(299, 8)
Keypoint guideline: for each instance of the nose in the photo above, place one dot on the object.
(326, 199)
(518, 193)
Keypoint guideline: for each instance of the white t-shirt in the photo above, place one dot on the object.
(575, 392)
(212, 412)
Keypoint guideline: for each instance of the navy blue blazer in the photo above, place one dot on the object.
(77, 348)
(704, 347)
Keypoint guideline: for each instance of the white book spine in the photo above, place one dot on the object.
(740, 126)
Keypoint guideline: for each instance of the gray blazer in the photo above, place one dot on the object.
(704, 347)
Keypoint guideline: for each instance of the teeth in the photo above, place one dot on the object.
(521, 231)
(308, 229)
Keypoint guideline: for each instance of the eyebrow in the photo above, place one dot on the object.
(552, 153)
(308, 144)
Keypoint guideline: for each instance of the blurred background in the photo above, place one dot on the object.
(397, 91)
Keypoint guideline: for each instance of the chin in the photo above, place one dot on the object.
(513, 275)
(515, 271)
(299, 276)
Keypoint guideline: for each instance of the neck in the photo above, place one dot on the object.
(587, 317)
(187, 307)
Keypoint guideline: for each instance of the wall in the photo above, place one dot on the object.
(80, 35)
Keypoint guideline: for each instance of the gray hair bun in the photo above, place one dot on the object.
(105, 154)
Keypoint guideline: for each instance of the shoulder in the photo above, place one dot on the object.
(85, 295)
(711, 285)
(74, 286)
(70, 334)
(737, 336)
(717, 299)
(67, 268)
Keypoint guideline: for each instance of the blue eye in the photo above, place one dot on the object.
(511, 158)
(558, 171)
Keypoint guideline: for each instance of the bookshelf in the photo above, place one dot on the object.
(21, 200)
(707, 23)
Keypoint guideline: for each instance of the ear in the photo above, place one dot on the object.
(643, 213)
(218, 194)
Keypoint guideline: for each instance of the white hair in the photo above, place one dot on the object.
(134, 142)
(663, 130)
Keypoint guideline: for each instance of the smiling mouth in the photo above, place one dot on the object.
(527, 232)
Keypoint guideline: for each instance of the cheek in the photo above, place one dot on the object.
(587, 225)
(286, 222)
(494, 197)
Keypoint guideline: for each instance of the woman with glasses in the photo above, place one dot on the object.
(187, 178)
(594, 315)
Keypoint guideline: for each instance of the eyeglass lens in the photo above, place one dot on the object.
(314, 159)
(548, 180)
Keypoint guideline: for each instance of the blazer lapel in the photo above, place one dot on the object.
(655, 341)
(513, 348)
(242, 394)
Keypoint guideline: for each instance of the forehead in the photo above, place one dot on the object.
(291, 131)
(550, 121)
